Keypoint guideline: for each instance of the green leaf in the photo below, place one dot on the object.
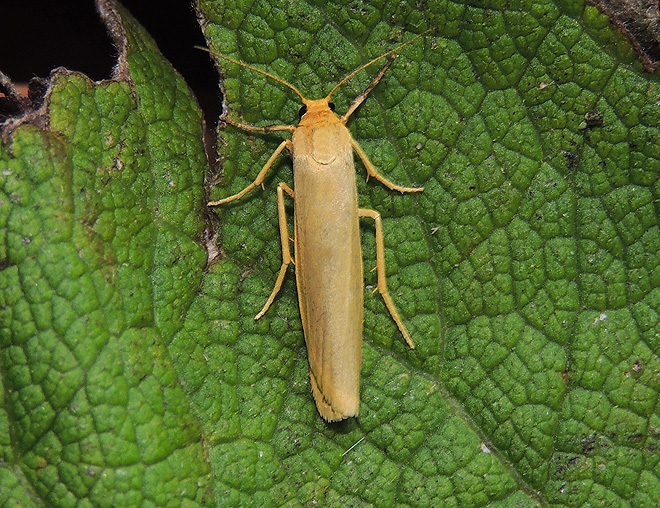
(100, 203)
(527, 271)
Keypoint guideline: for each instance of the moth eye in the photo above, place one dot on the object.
(331, 105)
(302, 111)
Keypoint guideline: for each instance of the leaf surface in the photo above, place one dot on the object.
(101, 194)
(527, 271)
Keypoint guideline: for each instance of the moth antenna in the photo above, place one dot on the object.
(375, 60)
(247, 66)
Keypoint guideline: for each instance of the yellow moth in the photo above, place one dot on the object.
(328, 254)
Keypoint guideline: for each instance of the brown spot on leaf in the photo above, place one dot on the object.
(594, 118)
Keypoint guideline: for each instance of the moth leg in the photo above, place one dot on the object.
(372, 171)
(380, 266)
(284, 238)
(257, 128)
(260, 177)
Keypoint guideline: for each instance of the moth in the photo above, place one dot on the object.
(328, 254)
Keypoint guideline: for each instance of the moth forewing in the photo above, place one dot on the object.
(327, 250)
(329, 263)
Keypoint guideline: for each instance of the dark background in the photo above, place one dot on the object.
(38, 35)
